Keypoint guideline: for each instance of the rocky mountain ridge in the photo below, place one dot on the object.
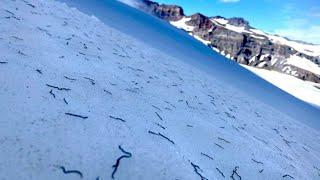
(237, 40)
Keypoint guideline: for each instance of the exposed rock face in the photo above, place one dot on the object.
(240, 22)
(200, 22)
(235, 38)
(163, 11)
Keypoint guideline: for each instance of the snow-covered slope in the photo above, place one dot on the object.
(308, 91)
(81, 100)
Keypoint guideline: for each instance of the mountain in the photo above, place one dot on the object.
(83, 97)
(237, 40)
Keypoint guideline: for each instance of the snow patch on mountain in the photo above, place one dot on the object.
(132, 3)
(303, 63)
(236, 28)
(306, 91)
(200, 39)
(224, 23)
(221, 21)
(181, 24)
(309, 49)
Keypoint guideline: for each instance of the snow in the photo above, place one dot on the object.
(252, 59)
(308, 49)
(262, 64)
(74, 88)
(236, 28)
(258, 31)
(181, 24)
(220, 21)
(257, 37)
(224, 23)
(215, 49)
(303, 63)
(264, 56)
(201, 40)
(298, 88)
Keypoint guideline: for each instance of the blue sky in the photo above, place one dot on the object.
(296, 19)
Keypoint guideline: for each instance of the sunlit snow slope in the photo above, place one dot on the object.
(81, 100)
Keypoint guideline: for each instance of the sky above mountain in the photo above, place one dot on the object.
(294, 19)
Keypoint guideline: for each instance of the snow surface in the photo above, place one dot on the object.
(257, 37)
(236, 28)
(74, 89)
(220, 21)
(308, 49)
(298, 88)
(224, 23)
(259, 32)
(181, 24)
(201, 40)
(303, 63)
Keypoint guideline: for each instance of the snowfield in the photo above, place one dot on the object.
(307, 91)
(81, 100)
(182, 24)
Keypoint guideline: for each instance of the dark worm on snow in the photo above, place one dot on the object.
(127, 155)
(71, 171)
(75, 115)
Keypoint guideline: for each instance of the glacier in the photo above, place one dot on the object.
(99, 90)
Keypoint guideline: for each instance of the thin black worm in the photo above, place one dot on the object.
(71, 171)
(220, 172)
(159, 116)
(196, 169)
(287, 175)
(59, 88)
(127, 155)
(75, 115)
(116, 118)
(54, 96)
(161, 135)
(65, 101)
(206, 155)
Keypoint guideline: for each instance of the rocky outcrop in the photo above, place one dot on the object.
(163, 11)
(236, 39)
(240, 22)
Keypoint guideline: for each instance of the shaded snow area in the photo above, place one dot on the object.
(81, 100)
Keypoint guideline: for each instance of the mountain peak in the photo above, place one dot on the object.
(238, 21)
